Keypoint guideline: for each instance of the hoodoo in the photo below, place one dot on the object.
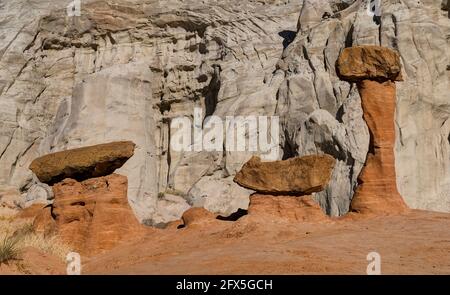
(375, 70)
(90, 211)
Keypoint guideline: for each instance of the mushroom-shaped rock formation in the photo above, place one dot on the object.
(90, 211)
(375, 69)
(295, 176)
(82, 163)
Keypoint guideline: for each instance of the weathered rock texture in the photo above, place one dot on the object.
(369, 63)
(82, 163)
(122, 71)
(124, 68)
(288, 208)
(91, 216)
(297, 176)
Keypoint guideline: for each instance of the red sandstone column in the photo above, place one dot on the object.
(375, 69)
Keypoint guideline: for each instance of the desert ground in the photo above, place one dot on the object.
(417, 242)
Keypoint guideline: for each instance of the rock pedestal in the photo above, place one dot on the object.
(91, 216)
(285, 208)
(375, 70)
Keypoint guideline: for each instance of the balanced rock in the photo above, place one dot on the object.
(375, 69)
(83, 163)
(295, 176)
(91, 216)
(369, 62)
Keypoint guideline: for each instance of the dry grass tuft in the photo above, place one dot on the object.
(9, 249)
(18, 234)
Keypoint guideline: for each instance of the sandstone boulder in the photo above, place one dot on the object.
(83, 163)
(369, 62)
(91, 216)
(295, 176)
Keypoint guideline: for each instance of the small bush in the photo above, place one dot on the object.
(9, 249)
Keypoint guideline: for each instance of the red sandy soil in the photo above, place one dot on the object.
(33, 262)
(414, 243)
(417, 242)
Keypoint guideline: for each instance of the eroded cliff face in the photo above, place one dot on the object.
(123, 70)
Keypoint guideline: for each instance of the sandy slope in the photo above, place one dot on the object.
(415, 243)
(34, 262)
